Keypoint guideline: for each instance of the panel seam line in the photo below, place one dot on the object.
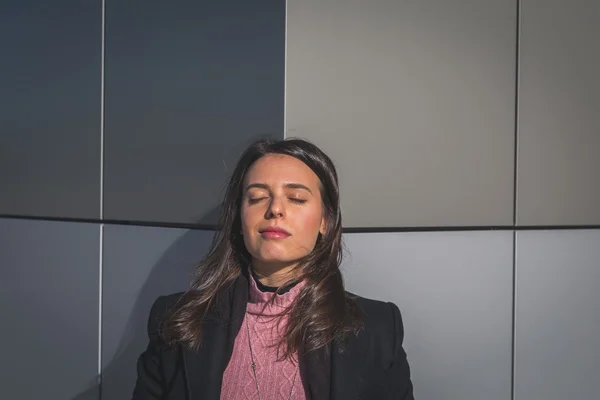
(101, 242)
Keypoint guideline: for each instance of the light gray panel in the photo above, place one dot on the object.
(454, 290)
(557, 340)
(189, 84)
(49, 310)
(414, 101)
(50, 108)
(559, 118)
(139, 264)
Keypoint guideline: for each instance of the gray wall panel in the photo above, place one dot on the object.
(49, 309)
(139, 264)
(188, 85)
(454, 290)
(50, 108)
(559, 119)
(557, 343)
(415, 103)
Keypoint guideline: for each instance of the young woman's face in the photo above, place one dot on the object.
(281, 211)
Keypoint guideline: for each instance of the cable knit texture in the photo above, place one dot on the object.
(275, 377)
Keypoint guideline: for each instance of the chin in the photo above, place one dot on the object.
(276, 257)
(275, 260)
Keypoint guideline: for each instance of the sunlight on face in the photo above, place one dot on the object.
(281, 211)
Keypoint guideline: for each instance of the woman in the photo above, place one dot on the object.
(267, 316)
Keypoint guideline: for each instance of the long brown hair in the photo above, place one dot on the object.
(322, 312)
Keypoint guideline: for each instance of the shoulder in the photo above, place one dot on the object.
(380, 346)
(382, 323)
(159, 309)
(380, 314)
(166, 301)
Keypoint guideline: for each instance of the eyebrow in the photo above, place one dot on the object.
(287, 186)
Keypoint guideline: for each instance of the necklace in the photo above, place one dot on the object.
(253, 365)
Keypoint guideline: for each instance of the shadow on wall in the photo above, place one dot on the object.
(119, 373)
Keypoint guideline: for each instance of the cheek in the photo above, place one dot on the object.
(245, 220)
(310, 222)
(250, 219)
(247, 231)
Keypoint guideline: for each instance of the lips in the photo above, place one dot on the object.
(274, 232)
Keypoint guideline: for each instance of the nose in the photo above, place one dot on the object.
(276, 208)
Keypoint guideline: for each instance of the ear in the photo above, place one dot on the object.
(323, 226)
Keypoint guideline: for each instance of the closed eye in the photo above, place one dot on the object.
(254, 201)
(292, 199)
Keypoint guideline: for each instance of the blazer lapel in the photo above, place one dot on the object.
(328, 374)
(315, 372)
(205, 367)
(348, 368)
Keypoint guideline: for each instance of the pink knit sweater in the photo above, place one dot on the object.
(275, 377)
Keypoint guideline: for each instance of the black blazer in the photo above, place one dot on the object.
(374, 365)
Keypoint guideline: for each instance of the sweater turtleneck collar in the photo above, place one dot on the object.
(261, 294)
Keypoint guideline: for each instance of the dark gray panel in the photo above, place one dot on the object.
(414, 101)
(49, 308)
(139, 264)
(454, 290)
(50, 108)
(559, 118)
(188, 85)
(557, 341)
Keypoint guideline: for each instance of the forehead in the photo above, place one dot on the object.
(281, 168)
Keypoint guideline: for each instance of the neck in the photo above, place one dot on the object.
(273, 275)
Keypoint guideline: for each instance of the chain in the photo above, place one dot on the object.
(253, 365)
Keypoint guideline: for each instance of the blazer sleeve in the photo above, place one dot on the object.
(400, 379)
(149, 384)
